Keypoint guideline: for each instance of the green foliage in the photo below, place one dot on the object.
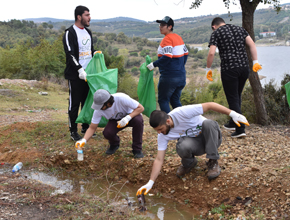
(110, 36)
(101, 44)
(275, 101)
(134, 54)
(215, 87)
(15, 62)
(133, 62)
(135, 70)
(14, 32)
(47, 59)
(127, 84)
(195, 94)
(122, 38)
(26, 62)
(115, 62)
(220, 210)
(247, 103)
(144, 53)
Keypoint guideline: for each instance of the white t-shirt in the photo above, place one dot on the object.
(85, 49)
(122, 106)
(187, 122)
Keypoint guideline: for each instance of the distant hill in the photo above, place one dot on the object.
(194, 30)
(53, 20)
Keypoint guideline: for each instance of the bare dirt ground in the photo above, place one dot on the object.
(254, 182)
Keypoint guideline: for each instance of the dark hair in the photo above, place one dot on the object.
(217, 21)
(111, 100)
(80, 10)
(158, 117)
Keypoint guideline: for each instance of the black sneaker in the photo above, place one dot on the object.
(229, 127)
(83, 131)
(112, 149)
(238, 134)
(138, 154)
(75, 136)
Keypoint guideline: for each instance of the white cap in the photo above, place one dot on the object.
(100, 97)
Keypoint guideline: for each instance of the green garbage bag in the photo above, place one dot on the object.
(145, 89)
(287, 86)
(98, 77)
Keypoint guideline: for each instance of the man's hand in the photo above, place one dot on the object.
(256, 66)
(145, 188)
(150, 66)
(81, 143)
(239, 118)
(208, 73)
(82, 74)
(124, 121)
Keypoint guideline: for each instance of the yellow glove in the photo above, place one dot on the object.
(146, 188)
(256, 66)
(124, 121)
(81, 143)
(208, 73)
(98, 51)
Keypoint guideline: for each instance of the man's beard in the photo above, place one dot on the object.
(84, 23)
(167, 129)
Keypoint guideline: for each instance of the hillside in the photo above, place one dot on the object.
(195, 30)
(253, 184)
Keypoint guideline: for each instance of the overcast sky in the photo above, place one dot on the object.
(147, 10)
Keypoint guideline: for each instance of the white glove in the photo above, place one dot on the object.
(208, 74)
(150, 66)
(82, 74)
(239, 118)
(124, 121)
(145, 188)
(81, 143)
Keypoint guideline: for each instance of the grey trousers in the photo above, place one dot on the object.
(207, 143)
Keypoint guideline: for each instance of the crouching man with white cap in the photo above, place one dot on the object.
(122, 111)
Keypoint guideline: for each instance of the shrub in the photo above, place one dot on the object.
(275, 101)
(135, 54)
(127, 84)
(144, 53)
(133, 62)
(135, 70)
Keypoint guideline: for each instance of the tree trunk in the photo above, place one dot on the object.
(248, 10)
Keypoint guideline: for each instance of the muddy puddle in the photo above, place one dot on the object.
(123, 195)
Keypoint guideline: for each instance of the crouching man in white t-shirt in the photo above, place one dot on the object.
(196, 136)
(122, 111)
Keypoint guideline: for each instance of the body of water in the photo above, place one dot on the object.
(275, 62)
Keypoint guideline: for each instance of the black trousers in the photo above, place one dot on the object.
(78, 92)
(233, 81)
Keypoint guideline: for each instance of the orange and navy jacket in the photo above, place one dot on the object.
(172, 56)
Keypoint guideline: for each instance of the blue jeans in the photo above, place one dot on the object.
(169, 91)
